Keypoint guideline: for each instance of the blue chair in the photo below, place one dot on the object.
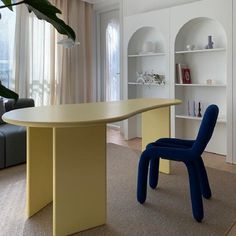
(187, 151)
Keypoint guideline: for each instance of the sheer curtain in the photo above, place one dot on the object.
(76, 64)
(7, 32)
(45, 70)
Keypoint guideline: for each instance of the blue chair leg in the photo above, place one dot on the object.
(195, 191)
(154, 172)
(142, 177)
(204, 183)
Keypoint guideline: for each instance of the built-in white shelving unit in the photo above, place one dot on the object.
(201, 51)
(148, 54)
(146, 62)
(176, 30)
(140, 62)
(201, 85)
(146, 84)
(205, 65)
(220, 119)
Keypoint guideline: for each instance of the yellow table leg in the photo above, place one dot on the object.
(79, 179)
(155, 125)
(39, 169)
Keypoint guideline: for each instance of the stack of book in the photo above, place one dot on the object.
(183, 75)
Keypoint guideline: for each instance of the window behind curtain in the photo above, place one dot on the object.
(27, 62)
(109, 67)
(113, 61)
(7, 37)
(40, 61)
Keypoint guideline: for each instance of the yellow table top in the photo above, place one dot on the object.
(83, 114)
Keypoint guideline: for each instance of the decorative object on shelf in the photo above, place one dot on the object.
(150, 78)
(210, 81)
(141, 80)
(210, 43)
(189, 113)
(194, 108)
(191, 108)
(183, 75)
(179, 76)
(159, 79)
(148, 47)
(190, 47)
(199, 110)
(186, 76)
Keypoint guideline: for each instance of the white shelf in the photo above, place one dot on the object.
(200, 85)
(148, 54)
(146, 84)
(219, 120)
(201, 51)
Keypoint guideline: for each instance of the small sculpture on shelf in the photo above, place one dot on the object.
(199, 110)
(150, 78)
(190, 47)
(194, 108)
(149, 47)
(140, 78)
(159, 79)
(210, 43)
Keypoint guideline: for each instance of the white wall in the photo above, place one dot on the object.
(234, 83)
(101, 5)
(131, 7)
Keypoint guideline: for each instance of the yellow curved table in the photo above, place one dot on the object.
(66, 155)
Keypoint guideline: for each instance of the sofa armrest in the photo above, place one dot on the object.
(20, 103)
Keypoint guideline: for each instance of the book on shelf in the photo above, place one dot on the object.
(183, 75)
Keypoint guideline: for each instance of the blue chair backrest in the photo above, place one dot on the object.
(206, 129)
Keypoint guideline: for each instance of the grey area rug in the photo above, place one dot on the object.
(167, 210)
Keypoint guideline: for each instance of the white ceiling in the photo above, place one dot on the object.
(161, 3)
(103, 4)
(137, 6)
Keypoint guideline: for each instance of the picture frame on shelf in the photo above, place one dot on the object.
(186, 76)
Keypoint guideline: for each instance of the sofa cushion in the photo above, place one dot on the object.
(11, 104)
(15, 144)
(2, 110)
(2, 150)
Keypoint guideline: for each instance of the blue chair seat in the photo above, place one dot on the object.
(187, 151)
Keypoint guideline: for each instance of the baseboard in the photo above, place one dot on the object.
(112, 126)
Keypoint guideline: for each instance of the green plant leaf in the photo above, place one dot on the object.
(44, 10)
(7, 93)
(7, 2)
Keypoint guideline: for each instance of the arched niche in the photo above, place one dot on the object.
(205, 65)
(144, 35)
(196, 32)
(141, 62)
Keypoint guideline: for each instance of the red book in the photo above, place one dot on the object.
(186, 76)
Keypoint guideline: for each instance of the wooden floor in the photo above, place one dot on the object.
(210, 159)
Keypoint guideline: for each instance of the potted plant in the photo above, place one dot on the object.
(44, 10)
